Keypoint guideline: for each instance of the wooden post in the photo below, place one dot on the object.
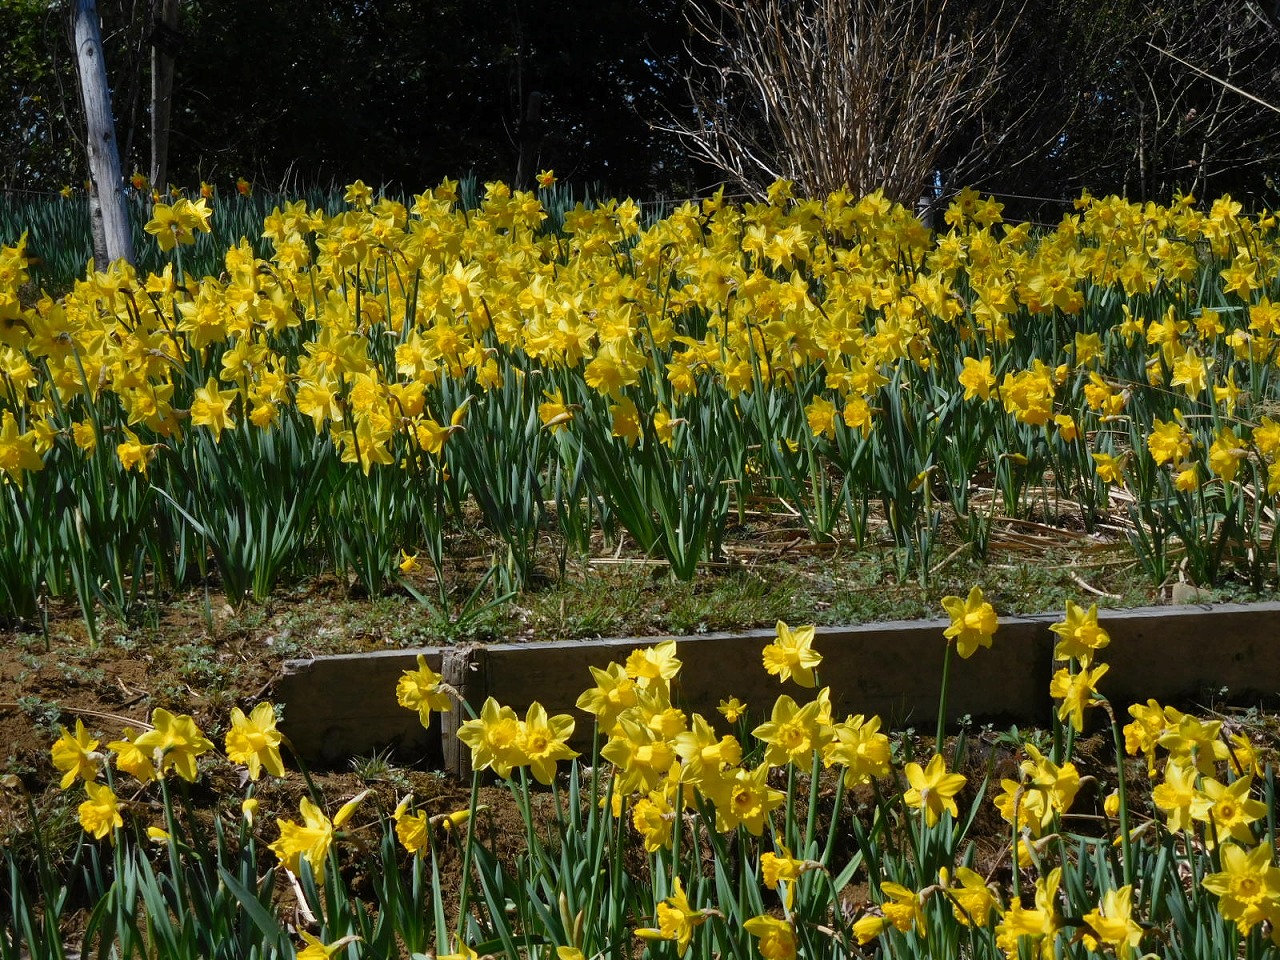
(100, 136)
(462, 668)
(165, 40)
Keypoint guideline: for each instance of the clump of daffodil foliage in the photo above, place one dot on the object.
(689, 835)
(393, 371)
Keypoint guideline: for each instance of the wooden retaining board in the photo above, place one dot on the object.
(342, 706)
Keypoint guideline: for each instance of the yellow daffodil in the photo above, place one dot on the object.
(775, 938)
(677, 920)
(211, 408)
(932, 789)
(1111, 924)
(858, 745)
(792, 733)
(972, 900)
(413, 830)
(132, 759)
(731, 709)
(1039, 923)
(973, 622)
(316, 949)
(1077, 691)
(1227, 810)
(76, 756)
(17, 450)
(742, 797)
(656, 665)
(1247, 887)
(254, 741)
(311, 839)
(100, 814)
(653, 818)
(791, 656)
(421, 690)
(174, 743)
(541, 742)
(493, 738)
(1080, 637)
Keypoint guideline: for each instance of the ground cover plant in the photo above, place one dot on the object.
(679, 835)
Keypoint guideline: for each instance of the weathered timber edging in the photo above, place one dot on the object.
(342, 706)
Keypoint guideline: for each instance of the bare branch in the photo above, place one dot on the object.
(833, 93)
(1218, 80)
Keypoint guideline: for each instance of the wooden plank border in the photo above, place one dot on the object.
(341, 706)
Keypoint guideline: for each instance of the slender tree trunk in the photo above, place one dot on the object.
(104, 155)
(529, 135)
(163, 44)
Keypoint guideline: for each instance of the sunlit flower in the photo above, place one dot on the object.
(1247, 887)
(972, 900)
(100, 814)
(542, 741)
(1077, 691)
(311, 839)
(1080, 637)
(973, 622)
(76, 756)
(174, 742)
(493, 738)
(1111, 923)
(932, 789)
(858, 745)
(775, 939)
(676, 919)
(791, 656)
(254, 741)
(731, 709)
(132, 759)
(422, 690)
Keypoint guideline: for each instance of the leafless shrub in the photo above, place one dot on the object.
(842, 92)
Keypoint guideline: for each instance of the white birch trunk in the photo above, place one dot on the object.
(104, 155)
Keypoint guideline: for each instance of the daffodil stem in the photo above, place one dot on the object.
(675, 844)
(836, 806)
(464, 895)
(618, 917)
(791, 807)
(526, 811)
(942, 701)
(1126, 843)
(811, 826)
(316, 797)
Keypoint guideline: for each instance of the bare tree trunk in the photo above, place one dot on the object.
(164, 41)
(528, 135)
(104, 156)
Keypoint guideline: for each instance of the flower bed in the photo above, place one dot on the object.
(682, 833)
(393, 375)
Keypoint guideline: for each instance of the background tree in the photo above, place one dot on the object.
(406, 93)
(35, 122)
(108, 214)
(1038, 98)
(1127, 118)
(842, 92)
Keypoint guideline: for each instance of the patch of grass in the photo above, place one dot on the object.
(379, 769)
(739, 598)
